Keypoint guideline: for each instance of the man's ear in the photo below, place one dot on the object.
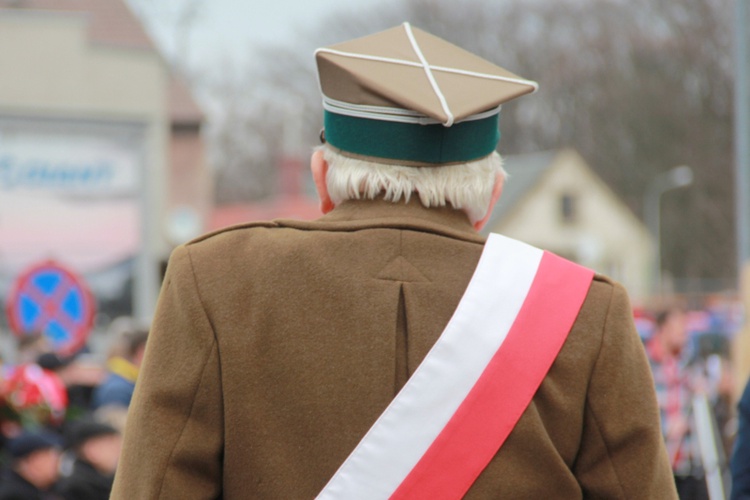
(497, 190)
(319, 168)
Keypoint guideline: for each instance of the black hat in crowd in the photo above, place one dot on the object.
(27, 443)
(83, 430)
(52, 361)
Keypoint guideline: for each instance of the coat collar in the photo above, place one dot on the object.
(353, 215)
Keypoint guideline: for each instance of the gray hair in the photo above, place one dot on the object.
(465, 186)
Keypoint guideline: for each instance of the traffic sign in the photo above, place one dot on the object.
(53, 300)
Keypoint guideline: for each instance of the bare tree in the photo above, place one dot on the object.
(635, 86)
(171, 22)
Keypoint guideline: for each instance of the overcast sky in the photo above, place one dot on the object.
(232, 28)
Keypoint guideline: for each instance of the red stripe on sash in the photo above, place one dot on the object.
(492, 408)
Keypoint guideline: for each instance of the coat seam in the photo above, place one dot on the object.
(187, 420)
(601, 339)
(606, 447)
(588, 403)
(200, 296)
(214, 348)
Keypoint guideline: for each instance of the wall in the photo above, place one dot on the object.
(605, 235)
(54, 77)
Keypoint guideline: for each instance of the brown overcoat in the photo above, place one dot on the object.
(276, 345)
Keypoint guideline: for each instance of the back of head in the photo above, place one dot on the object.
(409, 113)
(135, 342)
(95, 442)
(671, 329)
(30, 346)
(129, 337)
(667, 314)
(465, 186)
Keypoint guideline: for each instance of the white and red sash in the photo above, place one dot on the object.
(463, 400)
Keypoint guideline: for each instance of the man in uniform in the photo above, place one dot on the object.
(386, 350)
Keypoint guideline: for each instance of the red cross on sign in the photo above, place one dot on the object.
(51, 299)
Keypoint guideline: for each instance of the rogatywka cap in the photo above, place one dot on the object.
(408, 97)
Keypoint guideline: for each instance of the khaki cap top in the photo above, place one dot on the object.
(386, 75)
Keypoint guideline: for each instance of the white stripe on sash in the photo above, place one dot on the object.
(410, 424)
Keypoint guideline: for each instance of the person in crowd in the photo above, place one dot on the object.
(387, 349)
(33, 470)
(37, 396)
(95, 449)
(80, 375)
(76, 374)
(677, 381)
(113, 415)
(30, 346)
(740, 462)
(9, 425)
(117, 387)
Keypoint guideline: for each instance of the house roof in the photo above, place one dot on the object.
(524, 171)
(113, 23)
(183, 109)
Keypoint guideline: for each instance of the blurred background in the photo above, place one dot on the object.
(130, 127)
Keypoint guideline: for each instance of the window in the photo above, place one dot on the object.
(568, 208)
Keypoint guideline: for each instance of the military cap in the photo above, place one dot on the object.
(408, 97)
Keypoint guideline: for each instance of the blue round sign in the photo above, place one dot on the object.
(54, 301)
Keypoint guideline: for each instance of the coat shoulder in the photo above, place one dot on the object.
(233, 240)
(236, 230)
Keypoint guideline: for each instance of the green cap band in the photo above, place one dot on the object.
(412, 142)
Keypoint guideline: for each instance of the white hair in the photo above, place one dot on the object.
(466, 186)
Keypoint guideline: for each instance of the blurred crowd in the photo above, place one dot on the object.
(689, 353)
(62, 418)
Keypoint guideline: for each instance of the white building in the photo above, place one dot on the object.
(101, 161)
(553, 200)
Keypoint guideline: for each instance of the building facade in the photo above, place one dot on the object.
(101, 161)
(554, 200)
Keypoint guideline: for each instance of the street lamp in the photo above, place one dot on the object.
(675, 178)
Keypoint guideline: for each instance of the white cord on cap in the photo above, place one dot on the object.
(428, 68)
(430, 76)
(390, 114)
